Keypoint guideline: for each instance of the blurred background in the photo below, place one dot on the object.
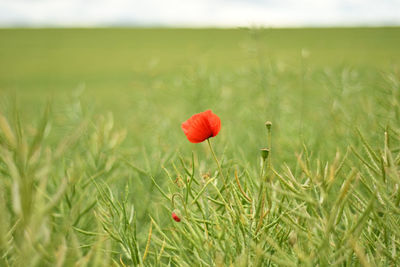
(304, 65)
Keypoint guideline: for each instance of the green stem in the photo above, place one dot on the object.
(261, 189)
(183, 202)
(262, 170)
(216, 160)
(270, 148)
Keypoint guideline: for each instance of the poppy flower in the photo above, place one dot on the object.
(201, 126)
(175, 217)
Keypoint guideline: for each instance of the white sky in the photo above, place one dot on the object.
(199, 13)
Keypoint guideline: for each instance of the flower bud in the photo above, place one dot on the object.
(175, 217)
(264, 153)
(268, 124)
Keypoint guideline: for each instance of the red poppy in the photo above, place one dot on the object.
(175, 217)
(201, 126)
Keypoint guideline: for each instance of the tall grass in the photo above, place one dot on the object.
(47, 192)
(61, 204)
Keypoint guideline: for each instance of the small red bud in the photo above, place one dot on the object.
(175, 217)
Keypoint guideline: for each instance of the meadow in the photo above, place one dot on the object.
(93, 160)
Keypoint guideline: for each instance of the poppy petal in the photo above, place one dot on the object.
(214, 121)
(197, 128)
(201, 126)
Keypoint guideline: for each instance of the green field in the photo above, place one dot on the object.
(90, 127)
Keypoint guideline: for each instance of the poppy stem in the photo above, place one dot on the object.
(216, 160)
(183, 202)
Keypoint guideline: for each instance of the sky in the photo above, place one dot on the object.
(199, 13)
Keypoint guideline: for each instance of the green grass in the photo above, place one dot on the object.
(93, 160)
